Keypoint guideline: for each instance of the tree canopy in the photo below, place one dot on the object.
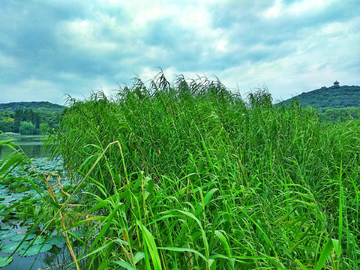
(13, 114)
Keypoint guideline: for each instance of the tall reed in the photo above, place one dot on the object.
(190, 176)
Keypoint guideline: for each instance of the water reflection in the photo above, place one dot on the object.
(33, 146)
(58, 257)
(61, 259)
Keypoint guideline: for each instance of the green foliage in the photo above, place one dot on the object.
(7, 125)
(16, 171)
(44, 128)
(340, 114)
(10, 247)
(20, 237)
(189, 176)
(42, 106)
(332, 97)
(37, 113)
(333, 104)
(34, 250)
(7, 235)
(26, 128)
(5, 260)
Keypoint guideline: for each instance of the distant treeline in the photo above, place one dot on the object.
(38, 106)
(335, 103)
(29, 118)
(338, 114)
(329, 97)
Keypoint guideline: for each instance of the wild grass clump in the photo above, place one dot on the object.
(189, 176)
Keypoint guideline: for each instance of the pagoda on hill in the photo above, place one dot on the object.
(336, 84)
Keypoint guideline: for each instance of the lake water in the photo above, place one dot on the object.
(58, 257)
(32, 146)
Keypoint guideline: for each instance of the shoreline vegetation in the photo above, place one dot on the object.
(29, 118)
(190, 176)
(7, 135)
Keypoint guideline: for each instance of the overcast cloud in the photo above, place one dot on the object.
(49, 48)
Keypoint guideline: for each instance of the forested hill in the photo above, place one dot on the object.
(41, 106)
(329, 97)
(29, 117)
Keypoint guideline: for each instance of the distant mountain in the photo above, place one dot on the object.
(39, 106)
(336, 103)
(29, 118)
(329, 98)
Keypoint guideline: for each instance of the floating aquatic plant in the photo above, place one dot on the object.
(10, 198)
(29, 221)
(7, 234)
(22, 189)
(15, 185)
(20, 237)
(56, 240)
(38, 241)
(10, 247)
(4, 261)
(35, 249)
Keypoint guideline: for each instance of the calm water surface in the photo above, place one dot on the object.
(32, 146)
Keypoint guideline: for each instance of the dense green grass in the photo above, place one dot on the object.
(189, 176)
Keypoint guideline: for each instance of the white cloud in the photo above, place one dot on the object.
(143, 16)
(305, 6)
(32, 90)
(194, 16)
(52, 47)
(274, 11)
(85, 35)
(9, 62)
(335, 28)
(298, 8)
(222, 45)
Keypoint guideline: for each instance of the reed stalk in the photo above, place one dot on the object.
(190, 176)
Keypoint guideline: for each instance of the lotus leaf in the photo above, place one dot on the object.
(10, 247)
(15, 185)
(10, 199)
(34, 250)
(5, 212)
(5, 181)
(29, 221)
(16, 195)
(20, 237)
(6, 227)
(36, 196)
(5, 261)
(4, 192)
(22, 189)
(56, 240)
(38, 241)
(7, 234)
(55, 250)
(79, 233)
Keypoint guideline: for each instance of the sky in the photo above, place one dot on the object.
(53, 48)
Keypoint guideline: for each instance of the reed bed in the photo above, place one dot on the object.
(187, 175)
